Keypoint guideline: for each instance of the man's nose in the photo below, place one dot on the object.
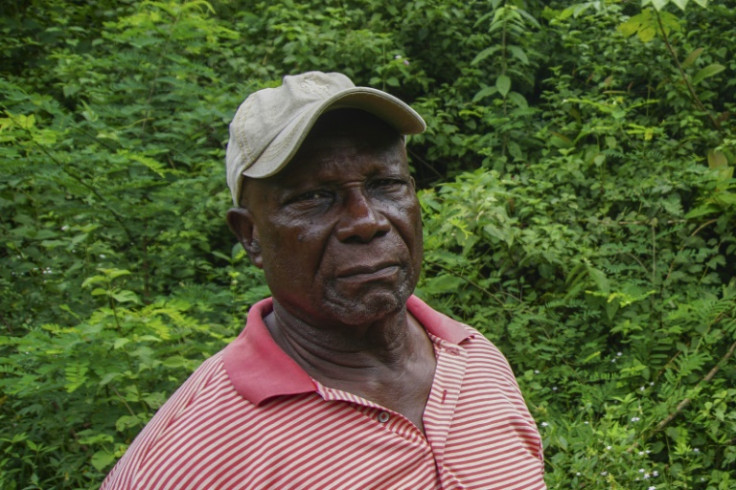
(360, 219)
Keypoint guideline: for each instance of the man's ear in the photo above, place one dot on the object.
(242, 225)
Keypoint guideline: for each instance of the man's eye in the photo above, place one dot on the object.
(312, 196)
(388, 184)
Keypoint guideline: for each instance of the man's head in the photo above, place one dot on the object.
(336, 228)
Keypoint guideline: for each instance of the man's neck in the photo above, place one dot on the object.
(390, 362)
(344, 349)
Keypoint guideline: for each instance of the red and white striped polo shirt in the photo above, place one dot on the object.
(251, 418)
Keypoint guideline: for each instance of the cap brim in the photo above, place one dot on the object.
(286, 144)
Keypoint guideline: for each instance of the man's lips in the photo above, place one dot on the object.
(367, 272)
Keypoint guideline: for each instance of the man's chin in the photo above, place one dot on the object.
(370, 306)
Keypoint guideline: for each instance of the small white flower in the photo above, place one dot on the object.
(696, 450)
(604, 473)
(554, 388)
(655, 473)
(619, 354)
(536, 371)
(641, 470)
(641, 388)
(65, 227)
(635, 419)
(608, 448)
(652, 488)
(102, 256)
(544, 424)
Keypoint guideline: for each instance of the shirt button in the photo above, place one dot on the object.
(383, 417)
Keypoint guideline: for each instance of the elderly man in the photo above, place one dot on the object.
(342, 379)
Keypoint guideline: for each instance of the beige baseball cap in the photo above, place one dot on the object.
(271, 124)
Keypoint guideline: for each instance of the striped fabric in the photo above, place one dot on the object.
(250, 418)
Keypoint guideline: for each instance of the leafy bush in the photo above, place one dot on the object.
(579, 207)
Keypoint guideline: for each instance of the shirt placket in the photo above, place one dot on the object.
(443, 398)
(382, 416)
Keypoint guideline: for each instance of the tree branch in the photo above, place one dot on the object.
(684, 76)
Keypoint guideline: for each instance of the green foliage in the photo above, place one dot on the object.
(579, 204)
(604, 269)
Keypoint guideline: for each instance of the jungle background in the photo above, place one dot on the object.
(576, 183)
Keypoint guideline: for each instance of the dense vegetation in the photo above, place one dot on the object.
(578, 196)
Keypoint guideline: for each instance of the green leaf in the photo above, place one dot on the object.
(716, 159)
(126, 422)
(562, 442)
(725, 198)
(659, 4)
(600, 279)
(647, 33)
(519, 54)
(503, 84)
(90, 436)
(484, 92)
(631, 26)
(591, 357)
(76, 375)
(680, 3)
(485, 54)
(153, 165)
(126, 296)
(670, 22)
(702, 210)
(93, 280)
(99, 292)
(692, 57)
(443, 283)
(120, 342)
(102, 459)
(114, 273)
(708, 71)
(518, 100)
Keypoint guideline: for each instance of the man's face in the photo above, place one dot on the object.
(338, 231)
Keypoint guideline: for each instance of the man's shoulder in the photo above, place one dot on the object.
(448, 328)
(482, 353)
(201, 390)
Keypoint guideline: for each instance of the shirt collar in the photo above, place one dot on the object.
(259, 369)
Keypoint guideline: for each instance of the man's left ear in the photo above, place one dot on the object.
(241, 224)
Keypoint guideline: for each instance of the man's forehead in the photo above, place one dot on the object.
(349, 121)
(358, 138)
(333, 158)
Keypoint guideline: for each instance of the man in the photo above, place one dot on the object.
(342, 379)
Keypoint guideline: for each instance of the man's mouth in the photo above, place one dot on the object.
(369, 272)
